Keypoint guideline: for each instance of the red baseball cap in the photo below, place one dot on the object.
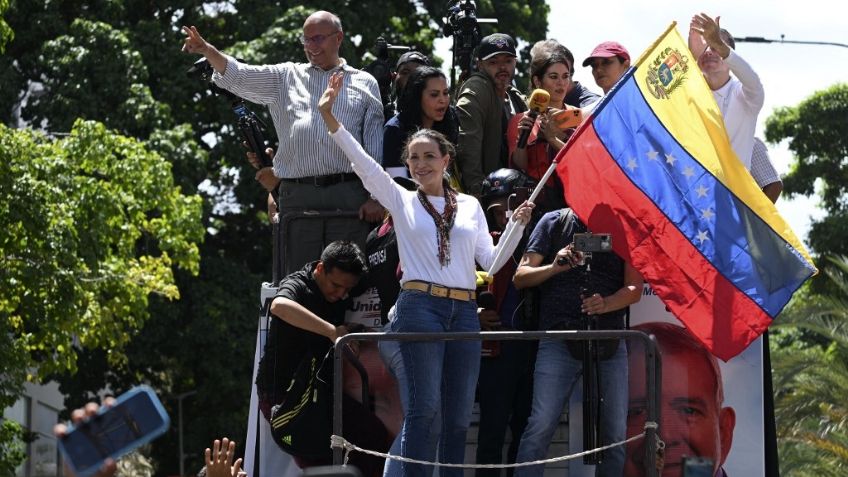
(608, 49)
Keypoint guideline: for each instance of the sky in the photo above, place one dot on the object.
(790, 73)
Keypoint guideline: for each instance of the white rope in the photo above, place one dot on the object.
(341, 442)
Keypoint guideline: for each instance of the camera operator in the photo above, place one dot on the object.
(552, 263)
(406, 65)
(312, 172)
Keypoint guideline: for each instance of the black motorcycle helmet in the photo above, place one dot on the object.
(503, 182)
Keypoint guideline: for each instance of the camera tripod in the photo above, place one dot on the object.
(592, 396)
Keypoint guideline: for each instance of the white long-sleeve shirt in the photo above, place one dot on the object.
(740, 101)
(416, 231)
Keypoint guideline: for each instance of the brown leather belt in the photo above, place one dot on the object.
(323, 181)
(440, 291)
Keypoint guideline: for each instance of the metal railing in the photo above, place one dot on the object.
(653, 370)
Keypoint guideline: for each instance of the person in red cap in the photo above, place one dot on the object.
(609, 61)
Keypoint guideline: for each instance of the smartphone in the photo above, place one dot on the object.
(136, 418)
(697, 467)
(568, 118)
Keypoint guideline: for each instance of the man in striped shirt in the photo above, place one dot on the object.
(310, 170)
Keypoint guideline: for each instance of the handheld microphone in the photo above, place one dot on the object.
(486, 300)
(538, 102)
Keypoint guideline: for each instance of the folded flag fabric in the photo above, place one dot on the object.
(653, 166)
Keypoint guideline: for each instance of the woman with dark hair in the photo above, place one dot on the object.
(551, 71)
(423, 103)
(441, 234)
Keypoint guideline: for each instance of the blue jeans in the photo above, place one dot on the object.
(441, 377)
(390, 352)
(556, 376)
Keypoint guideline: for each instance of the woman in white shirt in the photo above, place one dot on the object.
(440, 233)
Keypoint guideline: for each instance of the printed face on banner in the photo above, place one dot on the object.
(704, 403)
(382, 387)
(693, 420)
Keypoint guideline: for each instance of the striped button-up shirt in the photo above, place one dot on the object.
(291, 92)
(762, 169)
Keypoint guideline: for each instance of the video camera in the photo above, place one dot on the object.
(249, 124)
(381, 70)
(464, 26)
(589, 243)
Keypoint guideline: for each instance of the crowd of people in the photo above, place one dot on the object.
(434, 185)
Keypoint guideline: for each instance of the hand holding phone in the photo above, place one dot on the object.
(99, 436)
(567, 118)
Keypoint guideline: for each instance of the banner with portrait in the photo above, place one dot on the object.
(698, 418)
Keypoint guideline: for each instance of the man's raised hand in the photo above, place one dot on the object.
(194, 43)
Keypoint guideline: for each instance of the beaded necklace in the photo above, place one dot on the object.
(444, 222)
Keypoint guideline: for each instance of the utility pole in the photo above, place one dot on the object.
(179, 399)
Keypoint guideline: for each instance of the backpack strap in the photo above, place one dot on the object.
(563, 227)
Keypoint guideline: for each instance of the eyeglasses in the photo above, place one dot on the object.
(317, 39)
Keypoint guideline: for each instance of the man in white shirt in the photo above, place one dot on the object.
(310, 170)
(739, 98)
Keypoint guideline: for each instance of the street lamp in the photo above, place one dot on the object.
(759, 39)
(179, 399)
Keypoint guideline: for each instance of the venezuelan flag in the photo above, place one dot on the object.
(653, 166)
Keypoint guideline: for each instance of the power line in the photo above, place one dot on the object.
(759, 39)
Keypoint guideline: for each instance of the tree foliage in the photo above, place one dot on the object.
(6, 33)
(817, 131)
(119, 63)
(811, 381)
(90, 226)
(12, 446)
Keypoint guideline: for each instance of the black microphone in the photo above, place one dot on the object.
(538, 102)
(486, 300)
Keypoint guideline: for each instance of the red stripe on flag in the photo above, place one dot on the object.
(720, 315)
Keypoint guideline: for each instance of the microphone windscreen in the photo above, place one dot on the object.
(539, 100)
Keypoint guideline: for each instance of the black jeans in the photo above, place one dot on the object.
(504, 391)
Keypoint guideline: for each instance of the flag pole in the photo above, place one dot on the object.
(512, 234)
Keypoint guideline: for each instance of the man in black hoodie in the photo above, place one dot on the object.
(309, 309)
